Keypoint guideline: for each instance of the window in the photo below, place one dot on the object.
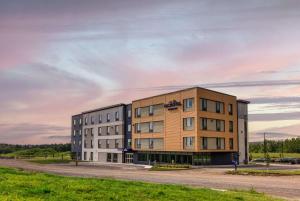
(79, 142)
(129, 128)
(230, 109)
(203, 104)
(151, 143)
(80, 121)
(92, 132)
(99, 143)
(138, 128)
(99, 131)
(188, 104)
(74, 122)
(231, 126)
(151, 110)
(117, 129)
(219, 143)
(218, 125)
(117, 116)
(108, 158)
(129, 113)
(74, 133)
(80, 132)
(138, 143)
(204, 123)
(84, 144)
(138, 112)
(92, 156)
(86, 121)
(108, 117)
(100, 118)
(116, 144)
(74, 142)
(115, 158)
(107, 144)
(150, 127)
(129, 143)
(204, 143)
(92, 120)
(188, 142)
(218, 107)
(85, 132)
(188, 123)
(108, 130)
(92, 144)
(231, 143)
(84, 156)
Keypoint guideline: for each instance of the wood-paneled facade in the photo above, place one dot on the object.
(183, 130)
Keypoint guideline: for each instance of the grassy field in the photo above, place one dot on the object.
(265, 172)
(20, 185)
(275, 155)
(169, 167)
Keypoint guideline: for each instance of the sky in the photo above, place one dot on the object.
(59, 58)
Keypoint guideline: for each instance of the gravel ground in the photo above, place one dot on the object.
(287, 187)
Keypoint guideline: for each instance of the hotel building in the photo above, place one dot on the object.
(192, 126)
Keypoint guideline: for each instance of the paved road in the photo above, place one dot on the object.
(283, 186)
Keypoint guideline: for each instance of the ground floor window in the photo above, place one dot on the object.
(92, 156)
(108, 158)
(115, 158)
(84, 156)
(202, 159)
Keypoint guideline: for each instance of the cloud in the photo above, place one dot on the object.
(26, 133)
(274, 100)
(274, 116)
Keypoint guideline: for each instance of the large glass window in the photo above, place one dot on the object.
(108, 157)
(218, 107)
(231, 143)
(138, 143)
(188, 123)
(138, 112)
(203, 104)
(99, 131)
(204, 123)
(231, 126)
(117, 116)
(204, 143)
(151, 110)
(138, 127)
(188, 104)
(188, 142)
(230, 109)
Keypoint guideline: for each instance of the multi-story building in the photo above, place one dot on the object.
(104, 132)
(76, 136)
(192, 126)
(243, 135)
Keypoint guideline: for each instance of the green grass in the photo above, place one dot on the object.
(265, 172)
(276, 155)
(169, 167)
(50, 161)
(19, 185)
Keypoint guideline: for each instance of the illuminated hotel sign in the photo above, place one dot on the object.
(172, 105)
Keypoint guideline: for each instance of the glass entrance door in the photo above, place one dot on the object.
(128, 157)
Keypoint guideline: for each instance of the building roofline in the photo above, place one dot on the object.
(75, 115)
(243, 101)
(103, 108)
(186, 89)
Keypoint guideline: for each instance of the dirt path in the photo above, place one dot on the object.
(282, 186)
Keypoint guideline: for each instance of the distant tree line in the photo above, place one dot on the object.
(50, 148)
(276, 146)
